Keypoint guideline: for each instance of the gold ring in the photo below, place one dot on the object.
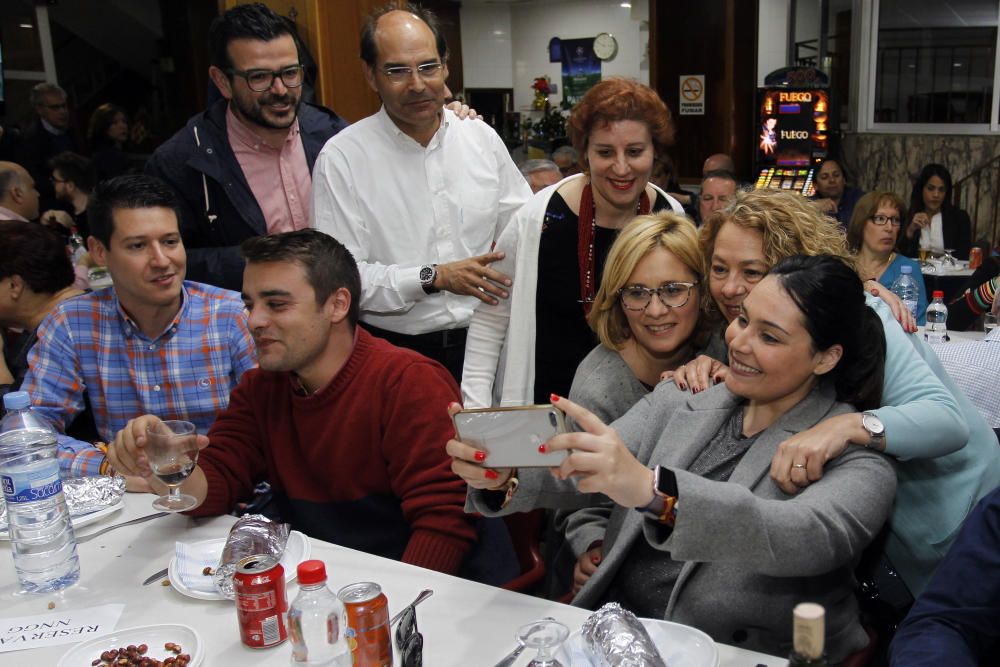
(798, 465)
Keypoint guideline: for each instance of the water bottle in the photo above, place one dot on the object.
(77, 247)
(937, 319)
(41, 534)
(906, 288)
(317, 621)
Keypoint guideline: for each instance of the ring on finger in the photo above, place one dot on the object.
(798, 465)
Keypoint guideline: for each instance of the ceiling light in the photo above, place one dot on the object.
(956, 64)
(627, 5)
(27, 25)
(498, 33)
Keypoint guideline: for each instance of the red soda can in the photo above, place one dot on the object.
(261, 604)
(367, 624)
(975, 258)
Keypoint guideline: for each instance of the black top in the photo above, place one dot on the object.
(562, 337)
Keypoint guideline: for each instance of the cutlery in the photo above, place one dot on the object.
(155, 577)
(141, 519)
(509, 659)
(424, 594)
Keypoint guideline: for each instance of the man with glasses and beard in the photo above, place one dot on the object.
(243, 167)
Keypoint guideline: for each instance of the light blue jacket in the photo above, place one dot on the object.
(894, 270)
(949, 455)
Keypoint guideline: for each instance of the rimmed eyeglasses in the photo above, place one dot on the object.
(259, 80)
(671, 295)
(401, 73)
(880, 220)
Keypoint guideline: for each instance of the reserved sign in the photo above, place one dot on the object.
(68, 627)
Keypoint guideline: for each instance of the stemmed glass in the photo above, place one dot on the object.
(947, 258)
(172, 450)
(546, 636)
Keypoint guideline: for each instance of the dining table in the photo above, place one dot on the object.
(463, 622)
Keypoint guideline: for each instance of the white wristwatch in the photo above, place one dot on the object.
(875, 428)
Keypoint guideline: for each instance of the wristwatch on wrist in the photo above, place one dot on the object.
(875, 428)
(428, 274)
(663, 507)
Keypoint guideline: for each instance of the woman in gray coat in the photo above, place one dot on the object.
(698, 533)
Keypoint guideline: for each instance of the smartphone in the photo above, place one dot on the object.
(511, 436)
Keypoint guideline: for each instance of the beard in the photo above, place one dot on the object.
(257, 110)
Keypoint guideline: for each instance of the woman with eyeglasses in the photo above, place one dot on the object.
(528, 346)
(948, 455)
(935, 223)
(873, 235)
(698, 534)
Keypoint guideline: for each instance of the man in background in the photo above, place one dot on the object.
(18, 194)
(717, 189)
(540, 173)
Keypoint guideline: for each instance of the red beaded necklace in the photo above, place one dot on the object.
(586, 231)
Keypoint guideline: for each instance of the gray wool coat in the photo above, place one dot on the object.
(751, 552)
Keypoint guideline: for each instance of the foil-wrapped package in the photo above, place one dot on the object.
(251, 535)
(83, 495)
(615, 637)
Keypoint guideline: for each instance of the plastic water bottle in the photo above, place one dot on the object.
(937, 319)
(77, 247)
(317, 621)
(41, 534)
(906, 288)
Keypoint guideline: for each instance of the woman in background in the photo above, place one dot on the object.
(935, 223)
(107, 135)
(873, 235)
(556, 247)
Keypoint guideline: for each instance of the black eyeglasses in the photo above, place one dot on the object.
(409, 641)
(880, 220)
(401, 73)
(259, 80)
(671, 295)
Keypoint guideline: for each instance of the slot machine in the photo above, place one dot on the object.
(794, 129)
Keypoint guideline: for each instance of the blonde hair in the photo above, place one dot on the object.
(667, 230)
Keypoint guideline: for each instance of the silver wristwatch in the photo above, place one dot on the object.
(875, 428)
(428, 274)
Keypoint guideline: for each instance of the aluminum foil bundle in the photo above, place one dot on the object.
(251, 535)
(615, 637)
(83, 495)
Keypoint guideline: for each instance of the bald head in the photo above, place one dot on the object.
(17, 190)
(718, 162)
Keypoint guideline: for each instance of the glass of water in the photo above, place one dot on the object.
(172, 450)
(989, 322)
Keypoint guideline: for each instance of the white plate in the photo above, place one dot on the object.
(679, 646)
(153, 636)
(81, 520)
(297, 549)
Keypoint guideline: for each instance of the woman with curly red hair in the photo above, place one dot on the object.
(556, 246)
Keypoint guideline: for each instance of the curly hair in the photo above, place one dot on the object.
(866, 208)
(617, 99)
(667, 230)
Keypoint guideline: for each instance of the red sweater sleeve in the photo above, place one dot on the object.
(416, 428)
(236, 458)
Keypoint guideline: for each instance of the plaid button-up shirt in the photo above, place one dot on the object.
(89, 343)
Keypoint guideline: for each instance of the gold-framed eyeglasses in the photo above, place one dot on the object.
(401, 73)
(671, 295)
(880, 220)
(259, 80)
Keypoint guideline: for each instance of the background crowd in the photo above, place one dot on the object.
(755, 415)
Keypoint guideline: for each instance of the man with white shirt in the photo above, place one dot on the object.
(417, 197)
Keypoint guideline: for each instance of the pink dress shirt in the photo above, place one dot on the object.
(278, 178)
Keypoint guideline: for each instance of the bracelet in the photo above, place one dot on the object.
(509, 487)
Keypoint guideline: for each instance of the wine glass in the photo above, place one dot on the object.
(546, 636)
(172, 450)
(948, 258)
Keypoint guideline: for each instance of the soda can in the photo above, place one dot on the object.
(975, 258)
(367, 624)
(261, 605)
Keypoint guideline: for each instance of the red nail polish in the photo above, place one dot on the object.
(541, 448)
(480, 456)
(490, 474)
(554, 398)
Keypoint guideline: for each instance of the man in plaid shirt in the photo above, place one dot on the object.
(151, 344)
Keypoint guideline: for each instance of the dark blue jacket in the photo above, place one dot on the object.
(956, 621)
(199, 164)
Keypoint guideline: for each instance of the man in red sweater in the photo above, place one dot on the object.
(348, 429)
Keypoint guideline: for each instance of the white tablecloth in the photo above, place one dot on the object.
(463, 623)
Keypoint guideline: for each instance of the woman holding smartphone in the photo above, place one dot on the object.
(556, 247)
(696, 520)
(924, 420)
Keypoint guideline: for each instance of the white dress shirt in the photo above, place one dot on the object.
(932, 236)
(398, 206)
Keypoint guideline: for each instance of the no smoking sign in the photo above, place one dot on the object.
(692, 95)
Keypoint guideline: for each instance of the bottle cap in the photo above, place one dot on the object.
(311, 572)
(906, 268)
(16, 400)
(937, 294)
